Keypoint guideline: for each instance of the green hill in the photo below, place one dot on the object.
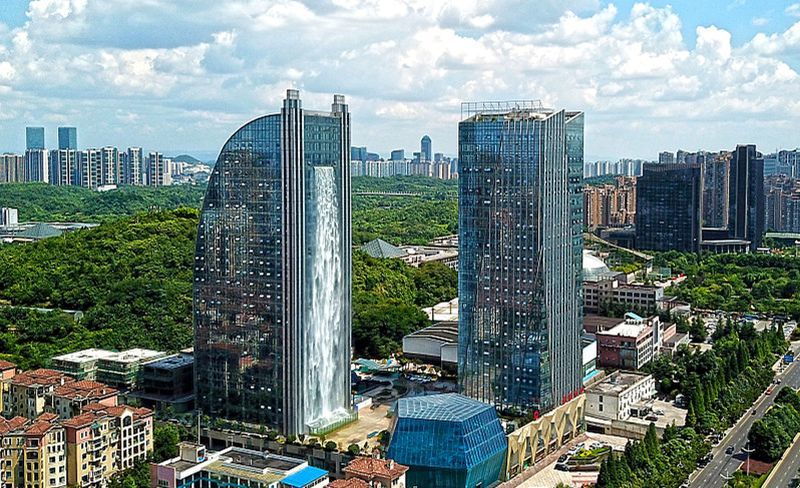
(43, 202)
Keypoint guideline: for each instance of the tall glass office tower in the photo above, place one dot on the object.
(67, 138)
(520, 236)
(272, 280)
(34, 137)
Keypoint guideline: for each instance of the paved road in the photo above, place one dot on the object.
(723, 464)
(786, 471)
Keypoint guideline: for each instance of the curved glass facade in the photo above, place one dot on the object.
(272, 273)
(520, 257)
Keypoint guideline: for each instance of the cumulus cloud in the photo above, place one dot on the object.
(185, 73)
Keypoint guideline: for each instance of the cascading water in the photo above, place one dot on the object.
(324, 331)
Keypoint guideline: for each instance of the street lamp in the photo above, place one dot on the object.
(748, 451)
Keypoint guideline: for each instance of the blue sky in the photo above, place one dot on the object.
(183, 74)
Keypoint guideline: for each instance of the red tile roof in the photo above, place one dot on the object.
(81, 420)
(7, 426)
(39, 427)
(118, 410)
(367, 468)
(80, 390)
(46, 417)
(4, 365)
(351, 483)
(45, 377)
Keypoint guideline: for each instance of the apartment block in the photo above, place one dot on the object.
(28, 392)
(68, 400)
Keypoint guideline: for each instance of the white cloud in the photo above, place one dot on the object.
(759, 21)
(793, 10)
(405, 66)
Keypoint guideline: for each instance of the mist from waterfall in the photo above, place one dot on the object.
(324, 331)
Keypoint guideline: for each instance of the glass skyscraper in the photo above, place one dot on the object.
(746, 215)
(669, 203)
(67, 138)
(34, 137)
(272, 281)
(520, 257)
(425, 149)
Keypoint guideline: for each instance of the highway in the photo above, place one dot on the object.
(785, 471)
(723, 465)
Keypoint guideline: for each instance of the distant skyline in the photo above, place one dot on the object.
(172, 74)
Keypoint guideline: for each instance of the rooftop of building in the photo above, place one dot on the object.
(304, 477)
(41, 377)
(598, 322)
(351, 483)
(85, 355)
(9, 425)
(79, 390)
(594, 269)
(221, 466)
(117, 410)
(261, 460)
(172, 362)
(629, 328)
(82, 420)
(133, 356)
(445, 332)
(446, 407)
(378, 248)
(617, 382)
(4, 365)
(444, 311)
(369, 467)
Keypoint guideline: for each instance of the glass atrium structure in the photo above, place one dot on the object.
(448, 441)
(520, 257)
(272, 280)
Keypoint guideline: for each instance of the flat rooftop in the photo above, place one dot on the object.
(259, 460)
(85, 355)
(626, 329)
(133, 355)
(445, 311)
(593, 323)
(617, 382)
(171, 362)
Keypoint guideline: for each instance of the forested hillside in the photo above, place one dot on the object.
(132, 278)
(43, 202)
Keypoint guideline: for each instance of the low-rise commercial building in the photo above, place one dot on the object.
(81, 365)
(168, 383)
(629, 345)
(435, 436)
(195, 467)
(614, 397)
(603, 288)
(437, 344)
(121, 370)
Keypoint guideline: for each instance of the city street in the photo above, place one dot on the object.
(723, 465)
(786, 470)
